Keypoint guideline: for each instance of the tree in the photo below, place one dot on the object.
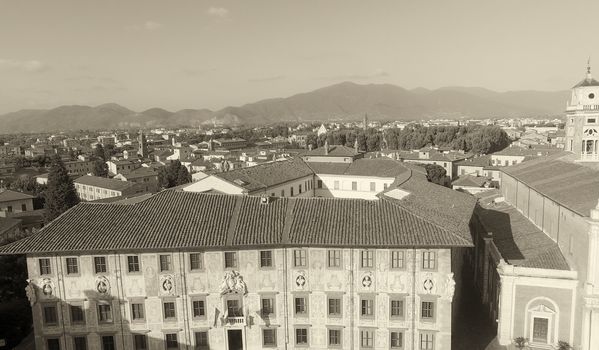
(60, 194)
(100, 168)
(174, 174)
(99, 152)
(436, 174)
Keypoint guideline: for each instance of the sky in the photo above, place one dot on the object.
(177, 54)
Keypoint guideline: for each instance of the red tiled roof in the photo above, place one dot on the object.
(378, 167)
(9, 195)
(267, 174)
(573, 185)
(518, 240)
(188, 220)
(334, 151)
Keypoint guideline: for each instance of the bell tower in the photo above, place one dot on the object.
(582, 119)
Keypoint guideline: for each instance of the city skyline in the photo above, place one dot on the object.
(212, 54)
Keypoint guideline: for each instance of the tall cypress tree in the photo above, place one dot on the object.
(61, 194)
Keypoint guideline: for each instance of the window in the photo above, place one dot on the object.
(540, 330)
(301, 336)
(137, 311)
(50, 315)
(202, 340)
(171, 341)
(282, 193)
(45, 266)
(291, 191)
(336, 185)
(299, 258)
(334, 307)
(334, 337)
(373, 187)
(367, 339)
(104, 313)
(367, 258)
(234, 308)
(196, 261)
(140, 342)
(354, 186)
(396, 340)
(230, 260)
(9, 208)
(367, 307)
(397, 259)
(77, 314)
(100, 264)
(169, 310)
(319, 184)
(53, 343)
(72, 266)
(334, 258)
(301, 307)
(165, 262)
(299, 189)
(108, 342)
(591, 120)
(79, 343)
(427, 311)
(133, 263)
(268, 306)
(427, 341)
(266, 258)
(23, 207)
(269, 337)
(397, 308)
(429, 260)
(385, 186)
(199, 308)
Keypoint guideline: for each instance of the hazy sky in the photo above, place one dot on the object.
(195, 54)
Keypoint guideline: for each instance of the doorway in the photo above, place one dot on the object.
(235, 339)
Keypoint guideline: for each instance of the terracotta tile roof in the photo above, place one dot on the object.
(573, 185)
(334, 151)
(470, 181)
(378, 167)
(518, 240)
(9, 195)
(267, 174)
(103, 182)
(481, 161)
(188, 220)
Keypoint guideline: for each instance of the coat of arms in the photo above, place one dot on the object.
(233, 283)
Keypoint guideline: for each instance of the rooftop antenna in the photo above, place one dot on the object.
(589, 68)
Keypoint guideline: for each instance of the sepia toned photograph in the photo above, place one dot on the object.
(299, 175)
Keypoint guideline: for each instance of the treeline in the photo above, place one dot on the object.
(475, 139)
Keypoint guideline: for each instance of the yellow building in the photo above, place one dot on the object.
(185, 270)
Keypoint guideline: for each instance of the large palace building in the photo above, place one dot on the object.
(188, 270)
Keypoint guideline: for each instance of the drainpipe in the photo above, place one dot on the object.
(351, 298)
(414, 257)
(184, 297)
(119, 277)
(285, 299)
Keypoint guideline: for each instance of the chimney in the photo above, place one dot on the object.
(264, 199)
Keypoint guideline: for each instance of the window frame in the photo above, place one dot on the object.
(402, 338)
(306, 305)
(166, 318)
(79, 337)
(339, 343)
(372, 300)
(393, 259)
(129, 264)
(425, 262)
(99, 306)
(133, 312)
(306, 335)
(135, 343)
(261, 259)
(338, 298)
(52, 323)
(235, 260)
(68, 259)
(426, 338)
(402, 300)
(199, 299)
(169, 260)
(96, 272)
(42, 267)
(370, 257)
(207, 338)
(167, 340)
(431, 312)
(274, 337)
(372, 343)
(303, 252)
(200, 261)
(273, 305)
(74, 306)
(338, 259)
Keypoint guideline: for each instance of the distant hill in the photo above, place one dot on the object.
(344, 101)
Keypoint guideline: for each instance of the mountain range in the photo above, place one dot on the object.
(344, 101)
